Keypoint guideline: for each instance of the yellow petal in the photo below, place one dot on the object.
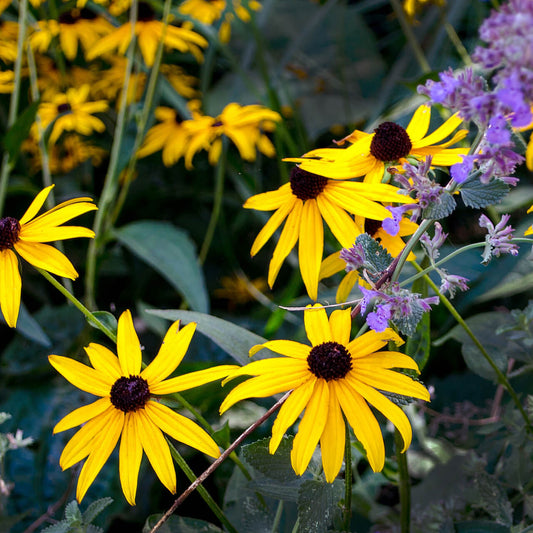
(316, 325)
(390, 381)
(130, 455)
(171, 353)
(356, 204)
(268, 201)
(84, 377)
(293, 349)
(372, 341)
(441, 132)
(339, 222)
(82, 415)
(55, 234)
(107, 440)
(36, 205)
(346, 285)
(340, 322)
(333, 439)
(181, 428)
(311, 246)
(58, 215)
(363, 422)
(290, 411)
(157, 450)
(46, 257)
(192, 379)
(331, 265)
(311, 427)
(128, 346)
(419, 123)
(387, 360)
(104, 360)
(10, 287)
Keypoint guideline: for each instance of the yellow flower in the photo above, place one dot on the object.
(244, 125)
(239, 290)
(389, 143)
(7, 81)
(8, 40)
(127, 408)
(71, 111)
(331, 378)
(169, 135)
(149, 32)
(529, 231)
(205, 11)
(27, 236)
(303, 203)
(412, 7)
(393, 244)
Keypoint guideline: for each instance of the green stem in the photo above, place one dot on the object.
(410, 36)
(218, 197)
(7, 162)
(404, 484)
(212, 504)
(347, 478)
(502, 378)
(71, 298)
(277, 518)
(112, 176)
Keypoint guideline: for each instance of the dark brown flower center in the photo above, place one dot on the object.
(390, 142)
(130, 394)
(64, 108)
(306, 185)
(9, 232)
(329, 360)
(145, 12)
(372, 226)
(70, 17)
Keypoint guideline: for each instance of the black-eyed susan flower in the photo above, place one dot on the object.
(243, 125)
(204, 11)
(71, 111)
(394, 245)
(128, 408)
(149, 33)
(302, 204)
(7, 81)
(331, 378)
(26, 236)
(390, 143)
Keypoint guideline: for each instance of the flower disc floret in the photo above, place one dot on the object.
(9, 232)
(329, 360)
(129, 393)
(390, 142)
(146, 13)
(306, 185)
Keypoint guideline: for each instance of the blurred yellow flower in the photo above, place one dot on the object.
(7, 79)
(127, 409)
(27, 236)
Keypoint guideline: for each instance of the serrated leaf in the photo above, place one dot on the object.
(441, 208)
(477, 195)
(95, 508)
(491, 497)
(60, 527)
(377, 258)
(180, 524)
(407, 324)
(169, 251)
(235, 340)
(72, 512)
(319, 504)
(20, 131)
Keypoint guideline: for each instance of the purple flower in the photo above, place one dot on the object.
(461, 171)
(392, 225)
(432, 245)
(354, 257)
(450, 283)
(498, 240)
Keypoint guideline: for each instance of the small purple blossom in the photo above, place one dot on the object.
(432, 245)
(461, 171)
(450, 283)
(392, 225)
(354, 257)
(498, 240)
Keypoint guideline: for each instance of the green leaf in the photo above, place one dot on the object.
(72, 512)
(480, 526)
(377, 259)
(477, 195)
(180, 524)
(170, 251)
(407, 324)
(95, 508)
(441, 209)
(106, 318)
(319, 504)
(20, 131)
(29, 327)
(233, 339)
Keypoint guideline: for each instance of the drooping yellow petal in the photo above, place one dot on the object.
(331, 265)
(316, 325)
(346, 285)
(311, 246)
(157, 450)
(311, 427)
(290, 411)
(192, 379)
(55, 233)
(388, 409)
(356, 204)
(10, 287)
(419, 123)
(36, 205)
(103, 360)
(100, 452)
(440, 133)
(171, 353)
(58, 215)
(293, 349)
(363, 422)
(333, 439)
(128, 346)
(339, 222)
(46, 257)
(387, 360)
(82, 415)
(268, 201)
(371, 342)
(130, 455)
(181, 428)
(390, 381)
(82, 376)
(340, 323)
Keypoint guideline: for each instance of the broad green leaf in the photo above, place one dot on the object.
(477, 195)
(72, 512)
(170, 251)
(106, 318)
(19, 131)
(29, 327)
(180, 524)
(235, 340)
(95, 508)
(319, 504)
